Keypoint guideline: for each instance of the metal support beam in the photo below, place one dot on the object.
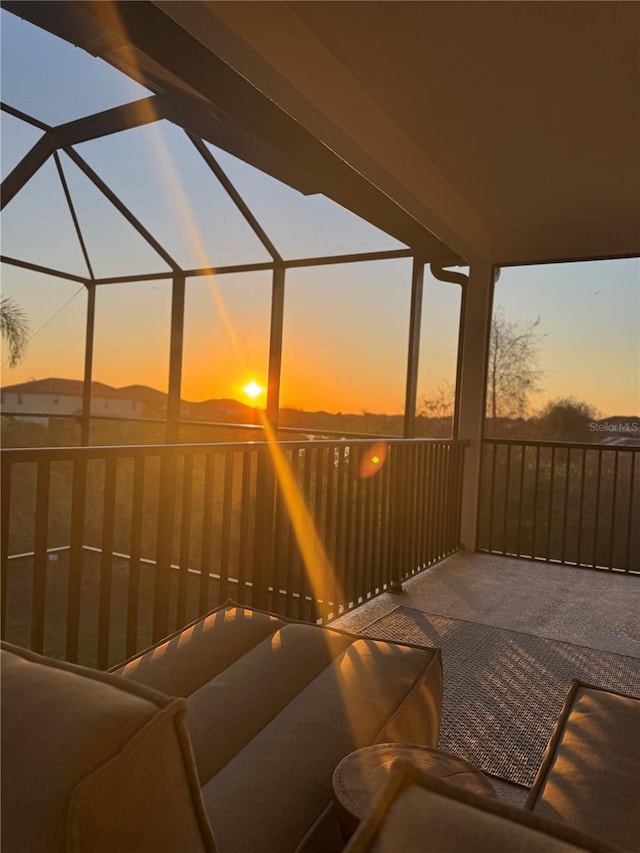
(123, 209)
(175, 359)
(275, 346)
(413, 354)
(72, 211)
(25, 265)
(235, 196)
(140, 112)
(25, 117)
(85, 423)
(26, 169)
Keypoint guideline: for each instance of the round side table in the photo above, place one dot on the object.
(359, 777)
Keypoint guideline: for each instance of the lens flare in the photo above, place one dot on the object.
(373, 459)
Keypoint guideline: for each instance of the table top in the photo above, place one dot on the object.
(360, 777)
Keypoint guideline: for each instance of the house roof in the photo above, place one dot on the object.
(74, 388)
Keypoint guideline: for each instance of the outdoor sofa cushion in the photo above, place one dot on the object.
(273, 706)
(590, 774)
(417, 813)
(93, 762)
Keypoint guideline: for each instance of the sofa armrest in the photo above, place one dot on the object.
(93, 762)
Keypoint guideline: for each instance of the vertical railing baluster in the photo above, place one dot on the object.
(550, 508)
(351, 476)
(164, 545)
(450, 493)
(420, 507)
(186, 505)
(521, 499)
(262, 568)
(207, 538)
(406, 511)
(492, 493)
(440, 507)
(382, 523)
(312, 580)
(397, 521)
(76, 557)
(106, 561)
(565, 509)
(40, 555)
(137, 517)
(536, 483)
(338, 563)
(245, 514)
(505, 510)
(5, 516)
(596, 520)
(322, 508)
(446, 487)
(356, 561)
(435, 502)
(225, 533)
(446, 499)
(632, 481)
(429, 504)
(581, 506)
(449, 498)
(368, 537)
(461, 461)
(301, 570)
(414, 522)
(293, 553)
(279, 549)
(455, 501)
(329, 530)
(616, 455)
(377, 530)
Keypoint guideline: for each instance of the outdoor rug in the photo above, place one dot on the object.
(503, 691)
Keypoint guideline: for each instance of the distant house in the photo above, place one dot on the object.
(618, 430)
(53, 396)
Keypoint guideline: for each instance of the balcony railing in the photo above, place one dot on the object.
(105, 549)
(577, 504)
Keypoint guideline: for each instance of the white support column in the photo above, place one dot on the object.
(473, 353)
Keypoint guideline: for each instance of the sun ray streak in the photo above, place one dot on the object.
(318, 567)
(179, 198)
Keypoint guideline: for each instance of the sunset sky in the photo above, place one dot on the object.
(345, 336)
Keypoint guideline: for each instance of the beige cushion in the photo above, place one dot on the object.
(590, 774)
(276, 707)
(417, 813)
(91, 762)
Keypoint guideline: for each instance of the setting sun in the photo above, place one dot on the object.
(253, 390)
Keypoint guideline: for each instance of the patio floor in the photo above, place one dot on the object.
(589, 608)
(598, 610)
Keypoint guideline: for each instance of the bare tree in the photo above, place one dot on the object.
(441, 401)
(14, 328)
(512, 375)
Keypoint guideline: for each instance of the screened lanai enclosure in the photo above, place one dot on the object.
(139, 248)
(250, 371)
